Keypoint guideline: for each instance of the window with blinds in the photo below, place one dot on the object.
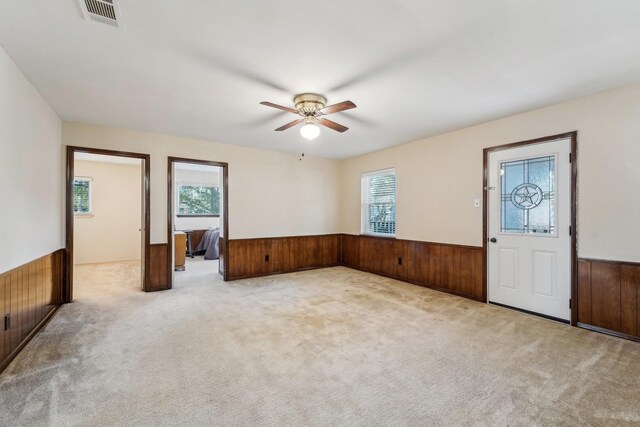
(378, 209)
(82, 195)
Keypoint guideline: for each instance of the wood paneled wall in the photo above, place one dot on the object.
(158, 274)
(29, 295)
(260, 257)
(609, 297)
(449, 268)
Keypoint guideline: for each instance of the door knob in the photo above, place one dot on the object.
(493, 240)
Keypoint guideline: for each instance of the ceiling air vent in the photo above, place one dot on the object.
(105, 11)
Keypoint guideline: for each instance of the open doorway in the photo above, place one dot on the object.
(197, 219)
(107, 223)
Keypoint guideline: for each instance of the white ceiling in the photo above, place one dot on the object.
(415, 68)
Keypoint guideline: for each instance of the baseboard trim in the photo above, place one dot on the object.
(608, 332)
(25, 341)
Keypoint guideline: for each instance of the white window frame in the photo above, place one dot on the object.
(90, 181)
(365, 203)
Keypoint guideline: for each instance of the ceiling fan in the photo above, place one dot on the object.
(311, 107)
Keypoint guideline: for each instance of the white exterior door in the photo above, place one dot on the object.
(529, 249)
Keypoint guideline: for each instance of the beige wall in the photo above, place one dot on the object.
(438, 177)
(196, 177)
(270, 193)
(31, 222)
(111, 232)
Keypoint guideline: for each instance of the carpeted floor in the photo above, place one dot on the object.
(324, 347)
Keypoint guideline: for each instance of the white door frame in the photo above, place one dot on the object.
(485, 213)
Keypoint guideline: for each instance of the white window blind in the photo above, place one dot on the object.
(378, 209)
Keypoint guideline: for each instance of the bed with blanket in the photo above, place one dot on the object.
(210, 244)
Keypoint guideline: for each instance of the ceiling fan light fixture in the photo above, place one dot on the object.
(310, 131)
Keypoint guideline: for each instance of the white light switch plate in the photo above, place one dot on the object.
(476, 203)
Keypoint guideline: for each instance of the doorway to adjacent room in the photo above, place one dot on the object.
(197, 218)
(107, 218)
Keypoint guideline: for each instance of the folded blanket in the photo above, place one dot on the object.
(209, 245)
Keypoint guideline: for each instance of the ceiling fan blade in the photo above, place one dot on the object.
(290, 125)
(279, 107)
(341, 106)
(332, 125)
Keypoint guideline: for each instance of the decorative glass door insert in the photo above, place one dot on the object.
(527, 196)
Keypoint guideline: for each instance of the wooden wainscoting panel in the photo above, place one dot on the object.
(471, 271)
(236, 264)
(260, 249)
(605, 295)
(609, 297)
(313, 251)
(400, 261)
(248, 257)
(4, 310)
(584, 291)
(158, 279)
(16, 307)
(29, 295)
(629, 279)
(435, 262)
(418, 260)
(330, 250)
(450, 268)
(279, 255)
(350, 255)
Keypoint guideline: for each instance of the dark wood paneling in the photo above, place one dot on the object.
(629, 279)
(471, 274)
(451, 268)
(350, 250)
(158, 274)
(605, 295)
(4, 306)
(608, 293)
(29, 295)
(584, 291)
(248, 257)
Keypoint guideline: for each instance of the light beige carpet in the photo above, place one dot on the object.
(325, 347)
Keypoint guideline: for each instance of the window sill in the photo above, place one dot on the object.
(386, 236)
(198, 216)
(84, 215)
